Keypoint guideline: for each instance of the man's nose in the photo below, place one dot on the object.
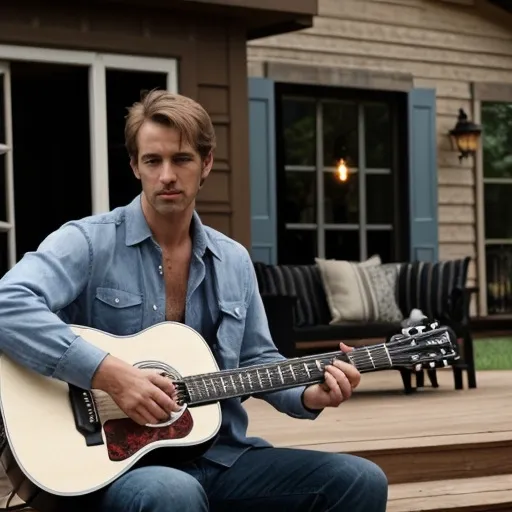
(167, 175)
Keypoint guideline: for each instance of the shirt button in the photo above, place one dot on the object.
(116, 300)
(237, 311)
(160, 271)
(154, 307)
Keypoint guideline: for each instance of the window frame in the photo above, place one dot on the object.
(361, 99)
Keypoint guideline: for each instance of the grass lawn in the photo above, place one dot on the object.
(493, 353)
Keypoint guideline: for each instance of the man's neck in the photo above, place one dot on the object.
(170, 231)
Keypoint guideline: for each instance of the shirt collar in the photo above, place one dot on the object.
(137, 230)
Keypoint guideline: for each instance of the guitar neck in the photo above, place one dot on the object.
(289, 373)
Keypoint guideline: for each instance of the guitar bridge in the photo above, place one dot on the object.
(86, 417)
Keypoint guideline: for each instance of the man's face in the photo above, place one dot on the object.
(170, 174)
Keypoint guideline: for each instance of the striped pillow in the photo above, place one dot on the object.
(429, 286)
(301, 281)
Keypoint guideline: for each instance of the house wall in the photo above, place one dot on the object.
(212, 69)
(445, 45)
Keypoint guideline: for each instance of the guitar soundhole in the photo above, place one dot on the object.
(124, 437)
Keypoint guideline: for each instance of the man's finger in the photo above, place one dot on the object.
(163, 383)
(351, 372)
(334, 388)
(342, 381)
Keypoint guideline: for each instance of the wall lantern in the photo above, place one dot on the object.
(465, 136)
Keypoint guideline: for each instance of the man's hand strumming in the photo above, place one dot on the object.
(143, 395)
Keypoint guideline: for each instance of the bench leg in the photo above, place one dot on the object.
(432, 376)
(420, 379)
(407, 380)
(457, 377)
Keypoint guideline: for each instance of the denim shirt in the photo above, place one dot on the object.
(105, 272)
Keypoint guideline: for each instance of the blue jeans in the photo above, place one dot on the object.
(263, 479)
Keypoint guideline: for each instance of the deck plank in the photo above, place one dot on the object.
(380, 416)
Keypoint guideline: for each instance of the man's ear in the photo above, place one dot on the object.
(135, 169)
(207, 167)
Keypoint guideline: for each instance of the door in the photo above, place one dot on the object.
(7, 231)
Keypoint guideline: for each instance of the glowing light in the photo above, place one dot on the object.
(341, 170)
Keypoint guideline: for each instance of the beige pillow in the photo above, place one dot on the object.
(344, 288)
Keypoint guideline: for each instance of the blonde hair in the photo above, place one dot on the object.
(173, 110)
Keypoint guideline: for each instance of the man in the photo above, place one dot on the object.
(152, 261)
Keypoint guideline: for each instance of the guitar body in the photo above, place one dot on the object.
(42, 435)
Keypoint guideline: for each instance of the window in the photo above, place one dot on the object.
(67, 133)
(497, 172)
(321, 213)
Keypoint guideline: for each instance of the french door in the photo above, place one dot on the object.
(7, 227)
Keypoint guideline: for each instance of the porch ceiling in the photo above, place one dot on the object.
(261, 17)
(504, 4)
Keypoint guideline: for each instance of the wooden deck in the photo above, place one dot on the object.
(463, 438)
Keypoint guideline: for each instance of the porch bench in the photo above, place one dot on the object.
(300, 318)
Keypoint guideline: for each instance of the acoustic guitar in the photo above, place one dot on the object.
(66, 441)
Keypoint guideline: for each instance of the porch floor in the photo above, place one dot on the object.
(441, 449)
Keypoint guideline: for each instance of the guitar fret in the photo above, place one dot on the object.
(280, 374)
(259, 378)
(370, 356)
(293, 373)
(205, 387)
(307, 370)
(241, 381)
(223, 384)
(269, 377)
(233, 384)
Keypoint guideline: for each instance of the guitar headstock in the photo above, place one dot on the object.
(423, 346)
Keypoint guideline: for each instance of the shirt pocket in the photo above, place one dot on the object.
(117, 312)
(230, 333)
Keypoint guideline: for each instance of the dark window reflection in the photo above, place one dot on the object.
(377, 136)
(380, 242)
(342, 244)
(379, 199)
(300, 203)
(497, 140)
(498, 210)
(340, 133)
(299, 125)
(298, 247)
(341, 199)
(4, 265)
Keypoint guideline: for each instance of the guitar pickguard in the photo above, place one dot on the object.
(124, 437)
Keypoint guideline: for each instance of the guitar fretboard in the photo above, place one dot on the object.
(280, 375)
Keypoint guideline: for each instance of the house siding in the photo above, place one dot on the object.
(441, 44)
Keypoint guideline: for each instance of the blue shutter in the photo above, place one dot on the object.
(262, 158)
(424, 238)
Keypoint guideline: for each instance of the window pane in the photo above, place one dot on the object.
(340, 133)
(2, 108)
(299, 128)
(377, 136)
(380, 242)
(379, 199)
(499, 278)
(342, 245)
(4, 266)
(300, 202)
(51, 148)
(497, 139)
(298, 247)
(3, 205)
(341, 199)
(123, 89)
(498, 210)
